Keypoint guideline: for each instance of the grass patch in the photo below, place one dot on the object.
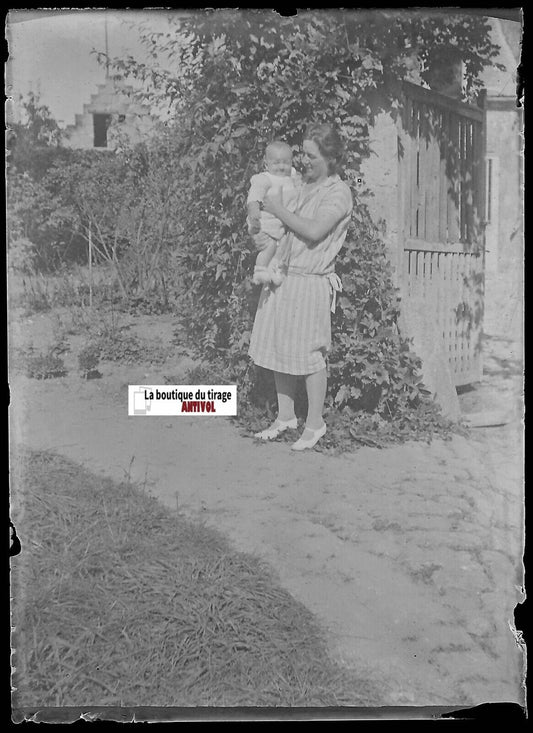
(119, 601)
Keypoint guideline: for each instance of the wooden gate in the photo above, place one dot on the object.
(441, 202)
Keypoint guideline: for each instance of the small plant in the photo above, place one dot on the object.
(88, 360)
(151, 303)
(121, 347)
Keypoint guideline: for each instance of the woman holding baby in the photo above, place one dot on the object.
(292, 328)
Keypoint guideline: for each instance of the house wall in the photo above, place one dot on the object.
(504, 232)
(109, 100)
(82, 134)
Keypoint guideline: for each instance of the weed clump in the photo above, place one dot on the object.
(88, 360)
(42, 365)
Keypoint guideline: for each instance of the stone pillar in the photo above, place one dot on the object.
(380, 176)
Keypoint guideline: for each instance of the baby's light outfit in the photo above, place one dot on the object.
(272, 229)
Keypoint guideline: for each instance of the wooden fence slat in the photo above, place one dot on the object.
(451, 312)
(454, 188)
(413, 226)
(451, 184)
(461, 130)
(406, 168)
(443, 185)
(439, 292)
(456, 303)
(446, 303)
(428, 294)
(422, 175)
(469, 175)
(432, 214)
(479, 188)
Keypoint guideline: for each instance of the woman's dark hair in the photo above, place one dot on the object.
(327, 139)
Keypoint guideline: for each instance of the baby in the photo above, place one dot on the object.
(268, 231)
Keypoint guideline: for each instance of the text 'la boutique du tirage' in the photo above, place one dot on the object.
(172, 394)
(179, 399)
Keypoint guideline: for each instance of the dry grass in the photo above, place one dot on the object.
(118, 601)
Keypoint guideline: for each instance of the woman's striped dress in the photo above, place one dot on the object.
(292, 328)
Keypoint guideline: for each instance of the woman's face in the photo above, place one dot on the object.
(314, 163)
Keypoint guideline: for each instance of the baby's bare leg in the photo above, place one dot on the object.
(284, 252)
(279, 264)
(264, 257)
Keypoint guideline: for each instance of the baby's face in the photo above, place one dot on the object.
(279, 162)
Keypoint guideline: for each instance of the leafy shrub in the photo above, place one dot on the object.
(42, 365)
(37, 214)
(88, 360)
(372, 366)
(126, 204)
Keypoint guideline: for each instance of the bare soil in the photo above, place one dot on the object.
(410, 557)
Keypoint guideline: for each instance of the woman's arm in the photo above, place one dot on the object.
(313, 230)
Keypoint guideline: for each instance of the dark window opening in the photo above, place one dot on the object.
(101, 124)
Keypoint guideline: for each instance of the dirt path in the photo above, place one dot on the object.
(409, 556)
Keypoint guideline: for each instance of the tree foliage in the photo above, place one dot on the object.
(33, 142)
(237, 79)
(124, 202)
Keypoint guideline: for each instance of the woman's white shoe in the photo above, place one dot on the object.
(303, 443)
(277, 427)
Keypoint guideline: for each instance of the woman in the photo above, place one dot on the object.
(292, 328)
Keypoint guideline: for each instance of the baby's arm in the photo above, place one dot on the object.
(259, 185)
(254, 217)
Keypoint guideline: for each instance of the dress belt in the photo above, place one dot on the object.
(335, 284)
